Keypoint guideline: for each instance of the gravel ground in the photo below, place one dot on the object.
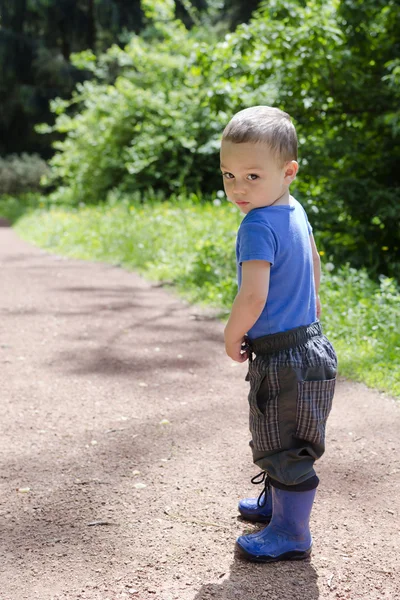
(124, 450)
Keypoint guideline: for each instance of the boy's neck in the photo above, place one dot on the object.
(284, 199)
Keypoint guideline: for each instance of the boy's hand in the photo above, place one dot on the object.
(234, 350)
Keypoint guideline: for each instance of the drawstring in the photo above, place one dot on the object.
(264, 479)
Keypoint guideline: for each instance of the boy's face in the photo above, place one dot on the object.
(252, 176)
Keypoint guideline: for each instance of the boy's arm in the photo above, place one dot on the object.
(247, 306)
(317, 272)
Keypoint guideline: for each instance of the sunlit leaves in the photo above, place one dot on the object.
(155, 116)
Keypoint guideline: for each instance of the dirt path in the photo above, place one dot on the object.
(93, 359)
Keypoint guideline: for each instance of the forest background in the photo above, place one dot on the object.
(111, 117)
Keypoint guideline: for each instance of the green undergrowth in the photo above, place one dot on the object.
(192, 246)
(13, 207)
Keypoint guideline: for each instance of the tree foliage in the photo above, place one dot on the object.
(154, 116)
(37, 38)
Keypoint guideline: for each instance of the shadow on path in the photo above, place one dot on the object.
(275, 581)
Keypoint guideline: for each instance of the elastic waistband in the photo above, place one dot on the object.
(268, 344)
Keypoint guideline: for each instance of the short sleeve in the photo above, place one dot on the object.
(256, 242)
(307, 222)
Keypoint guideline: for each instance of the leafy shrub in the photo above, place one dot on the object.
(13, 208)
(19, 174)
(156, 123)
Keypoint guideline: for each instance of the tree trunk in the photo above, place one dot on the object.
(18, 19)
(65, 43)
(91, 25)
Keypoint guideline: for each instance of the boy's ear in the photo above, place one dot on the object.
(291, 169)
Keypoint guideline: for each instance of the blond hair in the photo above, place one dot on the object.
(264, 124)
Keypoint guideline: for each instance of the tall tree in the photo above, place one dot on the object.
(36, 42)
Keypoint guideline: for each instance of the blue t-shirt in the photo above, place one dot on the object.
(280, 235)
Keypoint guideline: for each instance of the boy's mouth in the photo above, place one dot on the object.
(242, 203)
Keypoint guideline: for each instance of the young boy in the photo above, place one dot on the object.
(275, 316)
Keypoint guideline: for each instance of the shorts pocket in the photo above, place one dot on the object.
(263, 404)
(314, 403)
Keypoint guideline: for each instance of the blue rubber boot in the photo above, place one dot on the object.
(288, 536)
(258, 509)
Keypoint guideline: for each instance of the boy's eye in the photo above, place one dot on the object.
(252, 176)
(227, 175)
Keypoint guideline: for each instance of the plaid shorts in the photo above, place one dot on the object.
(292, 383)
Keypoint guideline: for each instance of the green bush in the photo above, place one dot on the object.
(146, 129)
(21, 174)
(152, 119)
(13, 208)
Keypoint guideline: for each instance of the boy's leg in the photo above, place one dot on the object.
(290, 398)
(290, 465)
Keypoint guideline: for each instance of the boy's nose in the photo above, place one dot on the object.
(239, 189)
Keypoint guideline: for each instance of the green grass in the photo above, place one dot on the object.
(193, 246)
(362, 319)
